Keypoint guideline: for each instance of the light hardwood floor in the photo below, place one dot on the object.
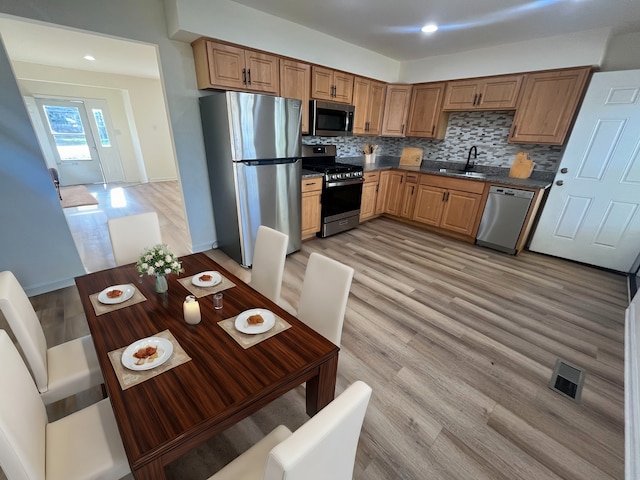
(88, 224)
(458, 343)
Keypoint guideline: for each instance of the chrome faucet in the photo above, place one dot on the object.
(469, 165)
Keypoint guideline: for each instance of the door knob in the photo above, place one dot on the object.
(564, 170)
(559, 183)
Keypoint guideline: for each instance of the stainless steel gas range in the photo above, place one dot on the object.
(341, 188)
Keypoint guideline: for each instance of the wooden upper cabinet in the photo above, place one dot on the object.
(396, 110)
(368, 99)
(489, 93)
(331, 85)
(547, 105)
(295, 82)
(262, 72)
(219, 65)
(426, 109)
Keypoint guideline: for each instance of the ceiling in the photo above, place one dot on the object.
(66, 48)
(392, 28)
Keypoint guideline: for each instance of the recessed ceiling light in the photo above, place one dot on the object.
(90, 58)
(432, 27)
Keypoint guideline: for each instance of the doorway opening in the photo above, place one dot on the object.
(102, 124)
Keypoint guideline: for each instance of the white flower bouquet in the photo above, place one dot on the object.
(158, 260)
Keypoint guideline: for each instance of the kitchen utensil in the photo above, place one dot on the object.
(522, 166)
(411, 156)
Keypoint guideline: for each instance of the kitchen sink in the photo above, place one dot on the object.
(462, 173)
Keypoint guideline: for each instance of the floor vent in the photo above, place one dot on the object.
(567, 380)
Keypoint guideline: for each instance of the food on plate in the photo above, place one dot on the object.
(115, 293)
(205, 278)
(146, 354)
(255, 320)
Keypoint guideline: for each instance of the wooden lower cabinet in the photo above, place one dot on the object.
(460, 212)
(409, 190)
(449, 209)
(429, 205)
(383, 187)
(310, 208)
(394, 192)
(369, 195)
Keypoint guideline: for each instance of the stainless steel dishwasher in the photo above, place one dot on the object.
(503, 218)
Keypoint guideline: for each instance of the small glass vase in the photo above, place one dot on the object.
(161, 284)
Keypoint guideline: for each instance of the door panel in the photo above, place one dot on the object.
(71, 140)
(592, 214)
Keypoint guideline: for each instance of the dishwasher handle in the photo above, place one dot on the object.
(512, 192)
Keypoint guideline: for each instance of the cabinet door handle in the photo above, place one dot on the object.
(433, 129)
(479, 99)
(403, 128)
(249, 76)
(244, 76)
(444, 196)
(475, 98)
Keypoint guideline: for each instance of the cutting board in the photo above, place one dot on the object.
(411, 157)
(522, 166)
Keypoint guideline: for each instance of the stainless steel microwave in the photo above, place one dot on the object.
(329, 119)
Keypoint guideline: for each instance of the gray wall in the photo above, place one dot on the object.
(141, 20)
(35, 242)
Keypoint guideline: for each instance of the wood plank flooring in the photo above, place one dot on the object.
(458, 343)
(88, 224)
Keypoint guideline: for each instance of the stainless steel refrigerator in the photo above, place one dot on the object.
(253, 147)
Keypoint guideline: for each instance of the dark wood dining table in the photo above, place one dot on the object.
(167, 415)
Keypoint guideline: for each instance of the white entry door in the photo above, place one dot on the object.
(71, 140)
(592, 214)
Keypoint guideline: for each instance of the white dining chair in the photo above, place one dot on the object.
(321, 449)
(269, 256)
(83, 445)
(130, 235)
(324, 295)
(59, 371)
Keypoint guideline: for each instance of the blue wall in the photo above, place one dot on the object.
(35, 241)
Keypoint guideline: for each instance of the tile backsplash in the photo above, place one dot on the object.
(488, 131)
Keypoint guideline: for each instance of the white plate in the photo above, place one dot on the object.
(164, 346)
(216, 278)
(127, 292)
(269, 321)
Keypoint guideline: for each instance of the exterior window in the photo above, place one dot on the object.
(68, 132)
(102, 129)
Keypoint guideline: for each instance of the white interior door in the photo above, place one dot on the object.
(592, 214)
(72, 141)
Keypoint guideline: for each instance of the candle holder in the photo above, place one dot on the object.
(191, 309)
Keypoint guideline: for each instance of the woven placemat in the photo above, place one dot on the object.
(204, 291)
(102, 308)
(129, 378)
(246, 340)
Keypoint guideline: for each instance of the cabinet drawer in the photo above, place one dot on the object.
(311, 184)
(413, 177)
(371, 177)
(471, 186)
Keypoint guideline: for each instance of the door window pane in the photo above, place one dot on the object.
(102, 129)
(68, 132)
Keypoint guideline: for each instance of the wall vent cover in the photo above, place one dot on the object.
(567, 380)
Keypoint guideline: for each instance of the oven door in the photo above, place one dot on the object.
(341, 199)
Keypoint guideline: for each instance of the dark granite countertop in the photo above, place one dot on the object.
(493, 174)
(310, 173)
